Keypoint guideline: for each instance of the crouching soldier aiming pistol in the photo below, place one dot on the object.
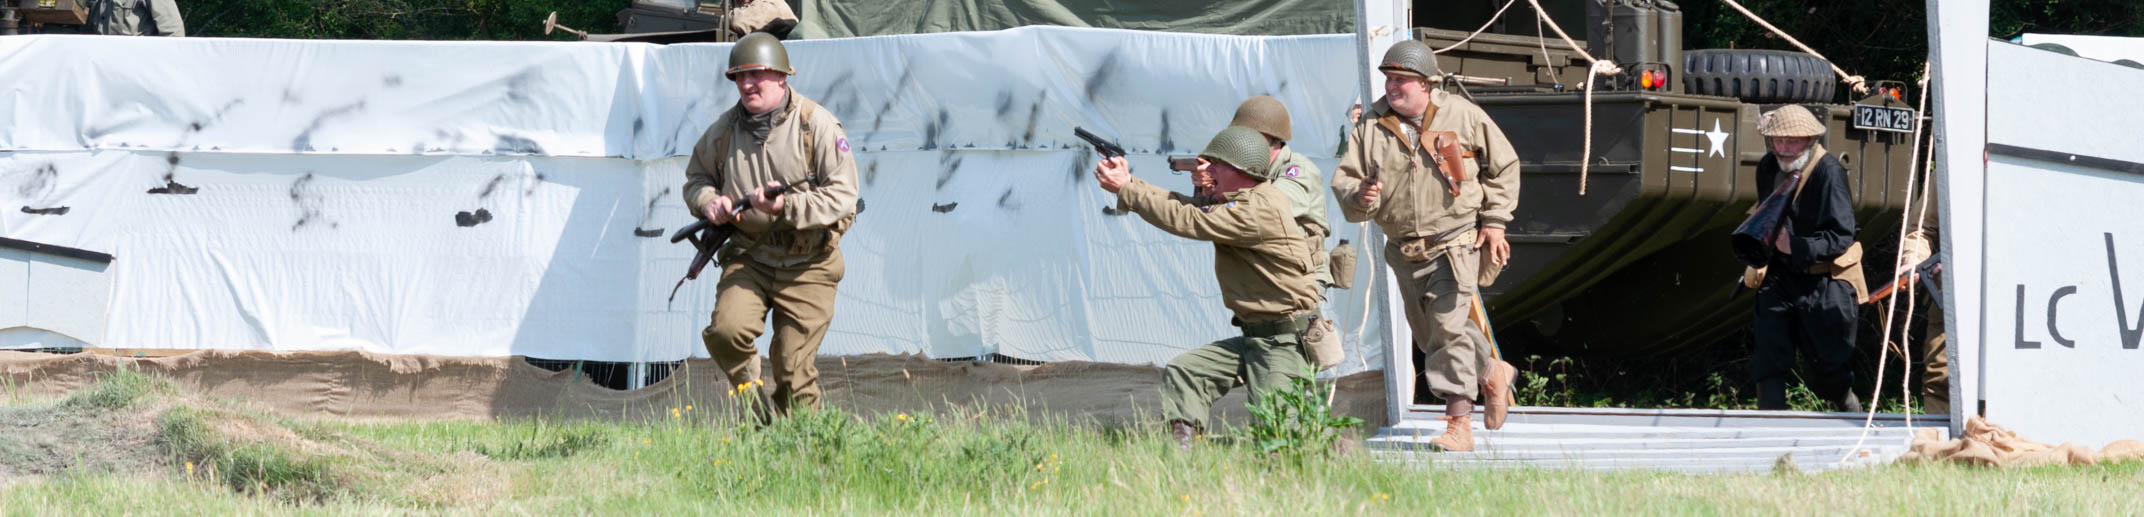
(1260, 260)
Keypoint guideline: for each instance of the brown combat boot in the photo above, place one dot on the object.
(1496, 393)
(1184, 434)
(1458, 434)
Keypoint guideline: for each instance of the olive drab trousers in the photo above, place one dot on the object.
(801, 299)
(1194, 380)
(1439, 294)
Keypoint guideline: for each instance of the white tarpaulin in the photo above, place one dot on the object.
(486, 198)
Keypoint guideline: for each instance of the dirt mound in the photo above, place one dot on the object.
(139, 426)
(85, 434)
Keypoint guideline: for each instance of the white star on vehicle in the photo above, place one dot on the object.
(1718, 139)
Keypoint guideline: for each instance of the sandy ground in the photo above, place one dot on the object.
(371, 386)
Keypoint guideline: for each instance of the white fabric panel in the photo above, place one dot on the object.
(331, 175)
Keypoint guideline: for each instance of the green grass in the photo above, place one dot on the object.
(697, 460)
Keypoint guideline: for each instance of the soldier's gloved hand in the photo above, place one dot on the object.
(768, 206)
(1112, 173)
(717, 210)
(1367, 197)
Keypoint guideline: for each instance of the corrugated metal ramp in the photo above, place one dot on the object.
(1678, 440)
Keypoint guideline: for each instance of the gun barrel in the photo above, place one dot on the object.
(1107, 148)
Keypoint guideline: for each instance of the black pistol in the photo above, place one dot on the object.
(1107, 148)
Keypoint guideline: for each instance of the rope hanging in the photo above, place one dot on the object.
(1891, 305)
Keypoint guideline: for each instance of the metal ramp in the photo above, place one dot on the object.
(1677, 440)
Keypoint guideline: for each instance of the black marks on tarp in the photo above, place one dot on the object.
(1004, 104)
(948, 165)
(98, 132)
(945, 208)
(1113, 211)
(497, 184)
(490, 187)
(509, 143)
(520, 85)
(648, 214)
(173, 187)
(304, 141)
(291, 97)
(391, 81)
(1104, 73)
(310, 204)
(171, 182)
(871, 172)
(1034, 115)
(1006, 200)
(42, 181)
(670, 140)
(899, 86)
(226, 109)
(935, 128)
(1167, 144)
(638, 125)
(468, 219)
(1079, 168)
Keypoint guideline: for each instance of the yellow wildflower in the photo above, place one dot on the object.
(189, 469)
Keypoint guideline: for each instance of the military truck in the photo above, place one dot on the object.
(1638, 265)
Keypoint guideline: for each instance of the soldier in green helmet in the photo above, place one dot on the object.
(1260, 259)
(1301, 180)
(1441, 181)
(777, 166)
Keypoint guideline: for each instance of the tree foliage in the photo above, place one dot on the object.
(1889, 40)
(396, 19)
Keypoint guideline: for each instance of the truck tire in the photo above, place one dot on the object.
(1759, 76)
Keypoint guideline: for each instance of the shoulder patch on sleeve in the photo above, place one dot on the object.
(1294, 171)
(842, 144)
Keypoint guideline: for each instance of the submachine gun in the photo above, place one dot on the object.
(709, 237)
